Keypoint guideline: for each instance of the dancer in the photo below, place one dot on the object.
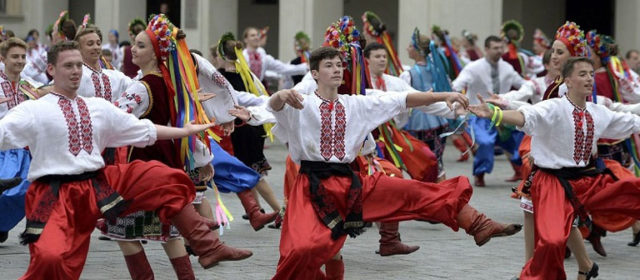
(69, 176)
(568, 181)
(315, 229)
(259, 61)
(151, 99)
(15, 162)
(478, 78)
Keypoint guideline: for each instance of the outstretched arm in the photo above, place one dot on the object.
(167, 132)
(483, 110)
(286, 96)
(426, 98)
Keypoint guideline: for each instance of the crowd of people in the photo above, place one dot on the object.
(126, 137)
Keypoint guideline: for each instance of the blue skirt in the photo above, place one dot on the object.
(13, 163)
(231, 175)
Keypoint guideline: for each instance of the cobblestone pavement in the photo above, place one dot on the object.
(444, 254)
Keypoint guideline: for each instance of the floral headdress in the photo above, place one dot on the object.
(135, 22)
(572, 37)
(345, 37)
(541, 39)
(374, 26)
(602, 45)
(509, 25)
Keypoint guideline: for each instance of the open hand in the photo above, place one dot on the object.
(241, 113)
(498, 101)
(453, 97)
(481, 110)
(291, 97)
(204, 96)
(194, 128)
(228, 128)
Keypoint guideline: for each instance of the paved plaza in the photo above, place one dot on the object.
(444, 254)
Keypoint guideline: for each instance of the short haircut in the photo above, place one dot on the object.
(546, 57)
(106, 52)
(491, 38)
(52, 54)
(10, 43)
(630, 52)
(245, 33)
(322, 53)
(567, 70)
(88, 30)
(373, 47)
(33, 31)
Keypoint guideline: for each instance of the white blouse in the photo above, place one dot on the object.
(277, 66)
(563, 135)
(333, 131)
(67, 136)
(476, 79)
(105, 83)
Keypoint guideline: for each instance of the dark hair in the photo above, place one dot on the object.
(10, 43)
(546, 57)
(322, 53)
(137, 28)
(628, 55)
(196, 52)
(373, 47)
(491, 38)
(68, 28)
(106, 52)
(33, 31)
(230, 49)
(52, 54)
(124, 43)
(567, 70)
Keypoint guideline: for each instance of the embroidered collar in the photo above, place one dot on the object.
(62, 96)
(326, 100)
(99, 71)
(574, 105)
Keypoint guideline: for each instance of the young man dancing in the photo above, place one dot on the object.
(325, 132)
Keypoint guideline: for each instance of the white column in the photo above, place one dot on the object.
(205, 21)
(311, 16)
(482, 17)
(627, 25)
(223, 17)
(117, 14)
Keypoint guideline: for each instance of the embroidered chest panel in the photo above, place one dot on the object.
(102, 85)
(80, 130)
(332, 130)
(10, 92)
(583, 141)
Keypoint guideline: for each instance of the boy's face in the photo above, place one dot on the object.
(90, 47)
(67, 71)
(329, 72)
(15, 60)
(377, 61)
(581, 79)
